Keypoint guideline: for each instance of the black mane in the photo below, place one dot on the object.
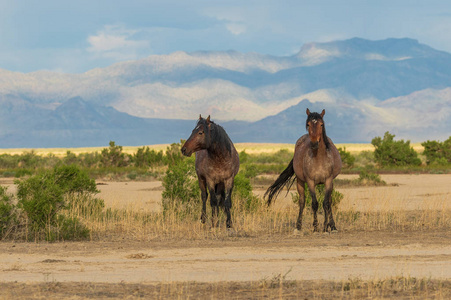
(317, 116)
(219, 140)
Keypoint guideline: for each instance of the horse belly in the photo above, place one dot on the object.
(319, 171)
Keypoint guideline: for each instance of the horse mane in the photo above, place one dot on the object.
(317, 116)
(218, 136)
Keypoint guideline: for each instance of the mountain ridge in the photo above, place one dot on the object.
(379, 85)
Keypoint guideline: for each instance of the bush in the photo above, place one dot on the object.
(366, 178)
(389, 152)
(346, 158)
(144, 157)
(242, 193)
(336, 196)
(45, 196)
(181, 190)
(436, 152)
(174, 154)
(113, 156)
(8, 218)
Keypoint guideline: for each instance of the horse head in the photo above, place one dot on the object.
(199, 138)
(315, 127)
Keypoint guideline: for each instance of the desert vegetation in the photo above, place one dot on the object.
(56, 196)
(57, 201)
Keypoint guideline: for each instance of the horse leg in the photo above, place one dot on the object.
(311, 187)
(327, 204)
(228, 202)
(301, 188)
(214, 207)
(204, 196)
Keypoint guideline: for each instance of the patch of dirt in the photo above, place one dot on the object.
(313, 265)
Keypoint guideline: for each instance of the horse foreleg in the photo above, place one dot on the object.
(301, 188)
(204, 196)
(311, 187)
(327, 205)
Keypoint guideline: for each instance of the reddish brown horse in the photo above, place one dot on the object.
(316, 160)
(217, 163)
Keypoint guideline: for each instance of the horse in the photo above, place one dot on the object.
(316, 161)
(217, 163)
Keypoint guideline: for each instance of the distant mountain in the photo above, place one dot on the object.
(367, 87)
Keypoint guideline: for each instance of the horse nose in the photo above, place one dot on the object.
(184, 150)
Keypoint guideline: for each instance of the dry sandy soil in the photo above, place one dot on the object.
(93, 269)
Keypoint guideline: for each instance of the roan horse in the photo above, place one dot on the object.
(217, 163)
(316, 160)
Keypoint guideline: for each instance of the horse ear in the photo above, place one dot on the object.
(208, 119)
(307, 112)
(200, 117)
(323, 113)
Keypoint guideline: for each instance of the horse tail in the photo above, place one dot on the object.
(286, 178)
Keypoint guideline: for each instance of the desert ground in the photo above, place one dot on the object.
(317, 265)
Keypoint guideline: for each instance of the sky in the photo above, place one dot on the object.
(77, 36)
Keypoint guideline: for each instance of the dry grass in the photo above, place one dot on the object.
(279, 220)
(271, 288)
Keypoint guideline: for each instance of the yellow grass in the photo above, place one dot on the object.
(250, 148)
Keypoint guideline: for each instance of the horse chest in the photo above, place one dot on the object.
(216, 170)
(318, 167)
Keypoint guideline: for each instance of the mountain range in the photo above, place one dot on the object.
(367, 88)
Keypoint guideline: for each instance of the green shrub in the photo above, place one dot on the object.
(8, 218)
(45, 197)
(320, 191)
(22, 172)
(144, 157)
(173, 153)
(113, 156)
(242, 193)
(368, 178)
(389, 152)
(346, 158)
(438, 153)
(365, 159)
(181, 191)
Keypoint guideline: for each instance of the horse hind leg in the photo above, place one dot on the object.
(329, 223)
(214, 208)
(228, 203)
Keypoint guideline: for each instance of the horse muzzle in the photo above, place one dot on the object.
(186, 152)
(315, 145)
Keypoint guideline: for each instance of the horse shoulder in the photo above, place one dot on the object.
(336, 158)
(201, 162)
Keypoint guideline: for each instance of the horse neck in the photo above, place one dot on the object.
(218, 147)
(217, 150)
(322, 149)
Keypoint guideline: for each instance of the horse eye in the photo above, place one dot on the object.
(201, 132)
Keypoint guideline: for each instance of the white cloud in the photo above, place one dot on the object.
(236, 28)
(117, 42)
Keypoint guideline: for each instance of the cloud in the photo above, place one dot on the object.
(117, 42)
(236, 28)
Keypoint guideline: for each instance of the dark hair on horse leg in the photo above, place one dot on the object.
(286, 178)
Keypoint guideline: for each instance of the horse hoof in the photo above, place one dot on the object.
(296, 232)
(334, 231)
